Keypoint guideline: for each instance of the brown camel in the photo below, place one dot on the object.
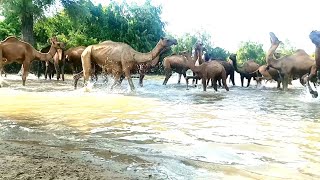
(315, 39)
(15, 50)
(118, 58)
(246, 70)
(73, 57)
(57, 63)
(228, 66)
(178, 63)
(207, 70)
(268, 73)
(293, 66)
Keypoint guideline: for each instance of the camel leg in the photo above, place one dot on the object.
(241, 78)
(179, 78)
(232, 78)
(128, 76)
(76, 78)
(215, 86)
(86, 64)
(141, 79)
(285, 82)
(26, 66)
(62, 69)
(116, 80)
(168, 74)
(184, 75)
(204, 84)
(224, 81)
(46, 70)
(56, 67)
(249, 79)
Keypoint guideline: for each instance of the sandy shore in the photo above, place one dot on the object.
(26, 161)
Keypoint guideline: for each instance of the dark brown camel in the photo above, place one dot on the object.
(15, 50)
(289, 67)
(315, 39)
(245, 70)
(118, 58)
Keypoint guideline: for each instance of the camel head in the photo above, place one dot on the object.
(233, 57)
(166, 42)
(56, 44)
(273, 39)
(315, 38)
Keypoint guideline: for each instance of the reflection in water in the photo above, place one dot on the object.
(258, 133)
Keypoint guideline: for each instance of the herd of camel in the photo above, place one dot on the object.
(120, 60)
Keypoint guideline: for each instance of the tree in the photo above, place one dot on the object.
(217, 53)
(251, 51)
(28, 11)
(285, 48)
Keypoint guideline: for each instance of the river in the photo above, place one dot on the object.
(170, 132)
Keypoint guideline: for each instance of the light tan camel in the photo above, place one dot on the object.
(15, 50)
(293, 66)
(118, 58)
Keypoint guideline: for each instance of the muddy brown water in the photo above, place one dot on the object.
(171, 132)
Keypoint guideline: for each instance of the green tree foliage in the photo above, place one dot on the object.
(285, 48)
(10, 26)
(217, 53)
(251, 51)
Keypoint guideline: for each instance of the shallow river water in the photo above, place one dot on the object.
(171, 132)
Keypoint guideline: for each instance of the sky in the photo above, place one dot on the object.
(229, 22)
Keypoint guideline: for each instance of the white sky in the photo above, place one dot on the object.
(231, 21)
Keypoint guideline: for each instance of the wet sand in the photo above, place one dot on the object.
(26, 161)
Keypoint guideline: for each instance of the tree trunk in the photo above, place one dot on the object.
(27, 34)
(27, 28)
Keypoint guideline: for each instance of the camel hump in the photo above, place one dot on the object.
(300, 51)
(11, 39)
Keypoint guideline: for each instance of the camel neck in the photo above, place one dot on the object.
(45, 56)
(146, 57)
(317, 57)
(271, 61)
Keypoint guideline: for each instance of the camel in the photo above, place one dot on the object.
(15, 50)
(292, 66)
(246, 70)
(178, 63)
(315, 39)
(57, 63)
(73, 57)
(118, 58)
(207, 70)
(268, 74)
(227, 66)
(140, 68)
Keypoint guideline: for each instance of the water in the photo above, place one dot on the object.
(171, 132)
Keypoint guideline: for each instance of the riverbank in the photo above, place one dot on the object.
(29, 161)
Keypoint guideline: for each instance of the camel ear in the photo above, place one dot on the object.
(162, 38)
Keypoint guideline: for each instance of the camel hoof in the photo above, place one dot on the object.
(314, 94)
